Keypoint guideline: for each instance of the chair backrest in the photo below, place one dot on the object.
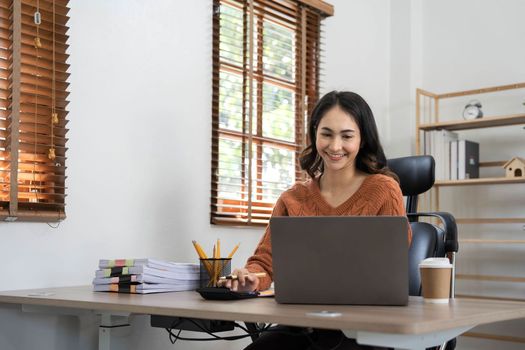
(416, 176)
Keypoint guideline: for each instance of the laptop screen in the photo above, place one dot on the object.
(340, 259)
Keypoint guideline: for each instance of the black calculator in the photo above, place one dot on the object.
(222, 293)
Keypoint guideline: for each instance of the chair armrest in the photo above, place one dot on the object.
(449, 226)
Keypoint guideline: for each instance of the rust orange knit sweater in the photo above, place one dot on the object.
(378, 195)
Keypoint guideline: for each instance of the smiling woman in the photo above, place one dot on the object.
(348, 177)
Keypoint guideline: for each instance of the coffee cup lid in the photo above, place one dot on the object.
(435, 263)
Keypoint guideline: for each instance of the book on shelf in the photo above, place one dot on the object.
(190, 274)
(438, 146)
(468, 159)
(454, 160)
(144, 288)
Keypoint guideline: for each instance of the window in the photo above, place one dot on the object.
(265, 83)
(33, 100)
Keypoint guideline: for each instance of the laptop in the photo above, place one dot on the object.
(353, 260)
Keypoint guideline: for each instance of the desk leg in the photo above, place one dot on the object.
(108, 322)
(406, 341)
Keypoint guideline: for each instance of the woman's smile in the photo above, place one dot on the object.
(336, 156)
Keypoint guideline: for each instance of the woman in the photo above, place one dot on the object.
(348, 176)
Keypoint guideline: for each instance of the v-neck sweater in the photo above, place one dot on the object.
(378, 195)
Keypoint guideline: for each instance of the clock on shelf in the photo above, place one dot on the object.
(472, 110)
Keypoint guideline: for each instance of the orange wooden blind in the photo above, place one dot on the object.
(265, 82)
(33, 87)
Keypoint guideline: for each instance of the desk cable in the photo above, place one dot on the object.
(267, 328)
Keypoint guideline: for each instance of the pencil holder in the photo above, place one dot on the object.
(212, 269)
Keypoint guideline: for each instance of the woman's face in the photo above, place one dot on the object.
(338, 140)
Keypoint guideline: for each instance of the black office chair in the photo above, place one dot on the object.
(416, 176)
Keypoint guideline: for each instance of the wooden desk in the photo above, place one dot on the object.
(415, 326)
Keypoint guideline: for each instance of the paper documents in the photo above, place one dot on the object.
(145, 276)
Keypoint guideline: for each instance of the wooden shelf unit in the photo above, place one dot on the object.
(428, 103)
(434, 123)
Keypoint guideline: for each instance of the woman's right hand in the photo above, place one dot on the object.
(245, 282)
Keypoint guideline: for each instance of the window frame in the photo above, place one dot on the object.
(33, 111)
(299, 17)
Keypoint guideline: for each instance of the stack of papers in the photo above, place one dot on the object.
(144, 276)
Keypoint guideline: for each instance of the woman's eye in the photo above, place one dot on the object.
(347, 137)
(326, 135)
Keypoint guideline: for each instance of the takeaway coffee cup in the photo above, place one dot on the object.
(436, 274)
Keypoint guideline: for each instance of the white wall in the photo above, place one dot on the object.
(356, 56)
(140, 85)
(139, 146)
(139, 152)
(472, 43)
(405, 75)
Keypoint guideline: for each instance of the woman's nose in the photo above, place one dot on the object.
(335, 144)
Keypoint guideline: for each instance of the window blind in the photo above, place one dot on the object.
(266, 56)
(33, 101)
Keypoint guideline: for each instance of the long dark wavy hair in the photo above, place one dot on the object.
(371, 157)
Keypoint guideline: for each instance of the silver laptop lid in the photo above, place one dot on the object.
(340, 259)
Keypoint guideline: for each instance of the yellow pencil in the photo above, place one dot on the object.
(233, 251)
(196, 249)
(202, 255)
(199, 250)
(214, 273)
(218, 249)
